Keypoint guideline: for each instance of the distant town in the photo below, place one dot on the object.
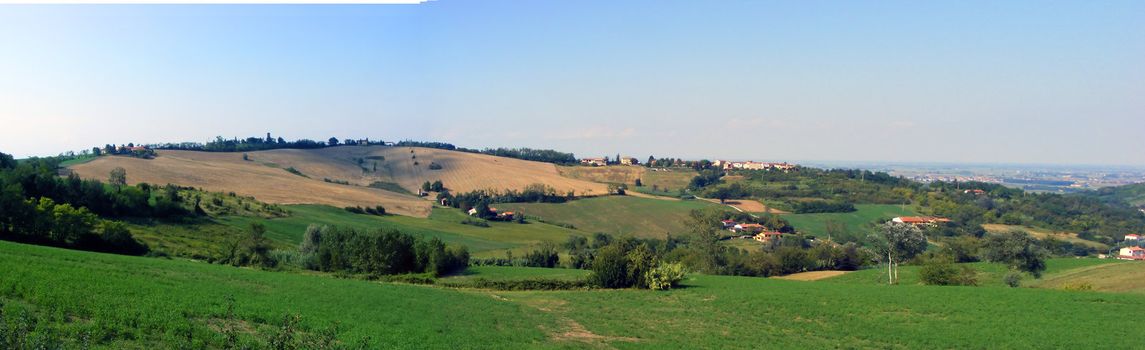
(1036, 178)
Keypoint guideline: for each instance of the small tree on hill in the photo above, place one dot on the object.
(898, 242)
(118, 177)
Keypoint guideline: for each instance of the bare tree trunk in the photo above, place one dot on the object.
(890, 277)
(896, 273)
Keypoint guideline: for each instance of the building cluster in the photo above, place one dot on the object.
(604, 161)
(497, 215)
(754, 231)
(751, 165)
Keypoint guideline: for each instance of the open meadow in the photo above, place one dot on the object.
(617, 215)
(135, 302)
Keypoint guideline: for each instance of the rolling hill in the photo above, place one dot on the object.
(264, 174)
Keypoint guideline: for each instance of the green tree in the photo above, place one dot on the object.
(1018, 250)
(897, 243)
(118, 177)
(705, 225)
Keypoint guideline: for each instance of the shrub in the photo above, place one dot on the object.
(434, 166)
(665, 276)
(475, 222)
(294, 171)
(610, 267)
(546, 256)
(355, 210)
(1013, 279)
(941, 271)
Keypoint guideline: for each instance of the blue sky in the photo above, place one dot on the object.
(960, 81)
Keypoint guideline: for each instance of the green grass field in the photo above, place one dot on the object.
(443, 223)
(989, 274)
(1122, 276)
(619, 215)
(512, 273)
(134, 302)
(851, 225)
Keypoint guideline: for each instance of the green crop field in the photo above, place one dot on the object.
(443, 223)
(620, 215)
(851, 225)
(134, 302)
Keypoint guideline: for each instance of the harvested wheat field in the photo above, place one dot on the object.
(410, 167)
(620, 174)
(225, 172)
(264, 175)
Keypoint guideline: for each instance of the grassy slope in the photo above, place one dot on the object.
(989, 274)
(1123, 276)
(855, 223)
(442, 223)
(622, 215)
(1043, 234)
(157, 300)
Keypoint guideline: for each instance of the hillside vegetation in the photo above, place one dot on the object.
(170, 304)
(1130, 194)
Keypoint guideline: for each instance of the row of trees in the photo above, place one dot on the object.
(537, 155)
(482, 199)
(381, 252)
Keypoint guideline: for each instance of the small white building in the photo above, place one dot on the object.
(1132, 253)
(1132, 237)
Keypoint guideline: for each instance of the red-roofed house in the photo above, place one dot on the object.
(1132, 237)
(748, 228)
(728, 223)
(1132, 253)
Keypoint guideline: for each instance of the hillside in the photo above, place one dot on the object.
(1045, 234)
(169, 303)
(1132, 194)
(617, 215)
(264, 175)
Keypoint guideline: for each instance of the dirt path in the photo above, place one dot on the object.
(812, 276)
(748, 206)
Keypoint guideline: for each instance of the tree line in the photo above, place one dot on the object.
(38, 207)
